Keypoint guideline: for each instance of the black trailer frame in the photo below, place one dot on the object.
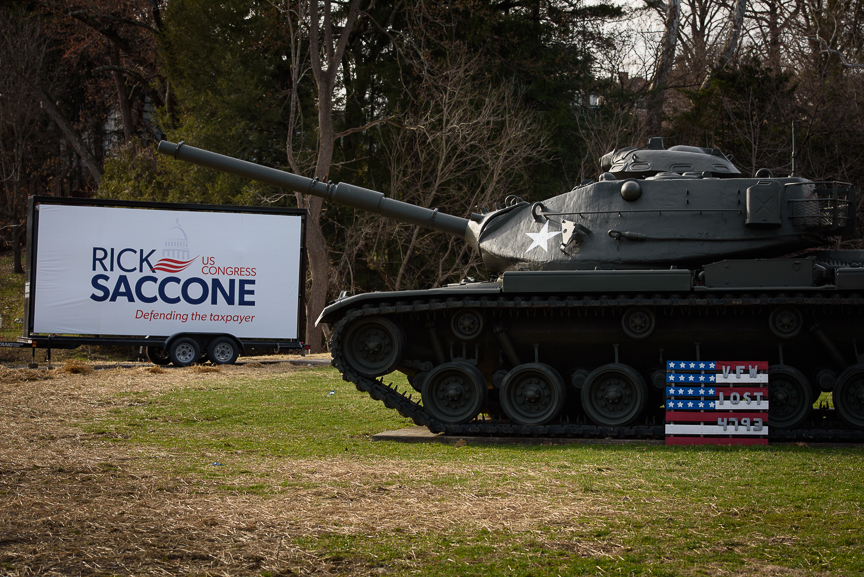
(49, 341)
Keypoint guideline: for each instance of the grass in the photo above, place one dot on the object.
(11, 298)
(300, 416)
(435, 509)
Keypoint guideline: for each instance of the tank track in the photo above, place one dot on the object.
(825, 423)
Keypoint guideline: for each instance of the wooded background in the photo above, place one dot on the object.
(448, 104)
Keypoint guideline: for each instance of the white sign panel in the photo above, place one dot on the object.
(119, 271)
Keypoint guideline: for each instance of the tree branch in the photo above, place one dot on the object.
(837, 52)
(361, 128)
(91, 20)
(96, 23)
(67, 130)
(735, 22)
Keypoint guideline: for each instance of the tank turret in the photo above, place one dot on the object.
(653, 159)
(652, 208)
(669, 254)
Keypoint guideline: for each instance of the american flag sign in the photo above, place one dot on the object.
(717, 402)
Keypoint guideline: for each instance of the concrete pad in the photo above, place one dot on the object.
(424, 435)
(301, 362)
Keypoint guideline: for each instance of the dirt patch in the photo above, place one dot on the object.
(74, 503)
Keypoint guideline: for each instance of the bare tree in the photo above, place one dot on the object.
(126, 30)
(768, 32)
(122, 93)
(465, 145)
(25, 59)
(81, 147)
(701, 26)
(733, 33)
(23, 47)
(641, 32)
(828, 50)
(328, 35)
(665, 62)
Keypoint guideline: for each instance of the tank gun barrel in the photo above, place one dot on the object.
(342, 193)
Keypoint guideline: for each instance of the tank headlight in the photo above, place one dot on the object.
(631, 190)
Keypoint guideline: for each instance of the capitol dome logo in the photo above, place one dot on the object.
(175, 253)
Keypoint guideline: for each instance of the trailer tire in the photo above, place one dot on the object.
(184, 352)
(223, 351)
(158, 356)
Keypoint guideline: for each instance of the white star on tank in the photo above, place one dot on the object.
(541, 238)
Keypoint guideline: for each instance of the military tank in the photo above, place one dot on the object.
(669, 254)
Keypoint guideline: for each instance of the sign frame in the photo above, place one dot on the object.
(194, 210)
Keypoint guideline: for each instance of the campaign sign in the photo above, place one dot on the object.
(120, 271)
(717, 403)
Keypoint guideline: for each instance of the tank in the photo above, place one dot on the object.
(669, 254)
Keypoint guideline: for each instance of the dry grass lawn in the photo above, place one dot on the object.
(72, 503)
(75, 503)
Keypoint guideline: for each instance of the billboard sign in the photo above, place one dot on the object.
(120, 271)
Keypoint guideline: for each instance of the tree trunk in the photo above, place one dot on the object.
(316, 244)
(67, 130)
(122, 97)
(325, 79)
(774, 36)
(656, 97)
(319, 266)
(736, 22)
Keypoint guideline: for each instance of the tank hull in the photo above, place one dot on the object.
(577, 333)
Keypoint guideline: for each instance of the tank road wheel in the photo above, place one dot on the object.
(790, 397)
(614, 395)
(158, 356)
(785, 322)
(849, 395)
(532, 394)
(454, 393)
(373, 346)
(638, 322)
(223, 351)
(184, 352)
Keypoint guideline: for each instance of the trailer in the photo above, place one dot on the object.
(188, 282)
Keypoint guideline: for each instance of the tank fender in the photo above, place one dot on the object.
(337, 309)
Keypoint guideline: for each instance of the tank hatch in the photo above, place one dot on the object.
(653, 159)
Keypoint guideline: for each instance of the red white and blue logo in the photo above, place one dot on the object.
(172, 265)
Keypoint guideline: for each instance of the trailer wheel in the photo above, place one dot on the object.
(223, 351)
(158, 356)
(184, 352)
